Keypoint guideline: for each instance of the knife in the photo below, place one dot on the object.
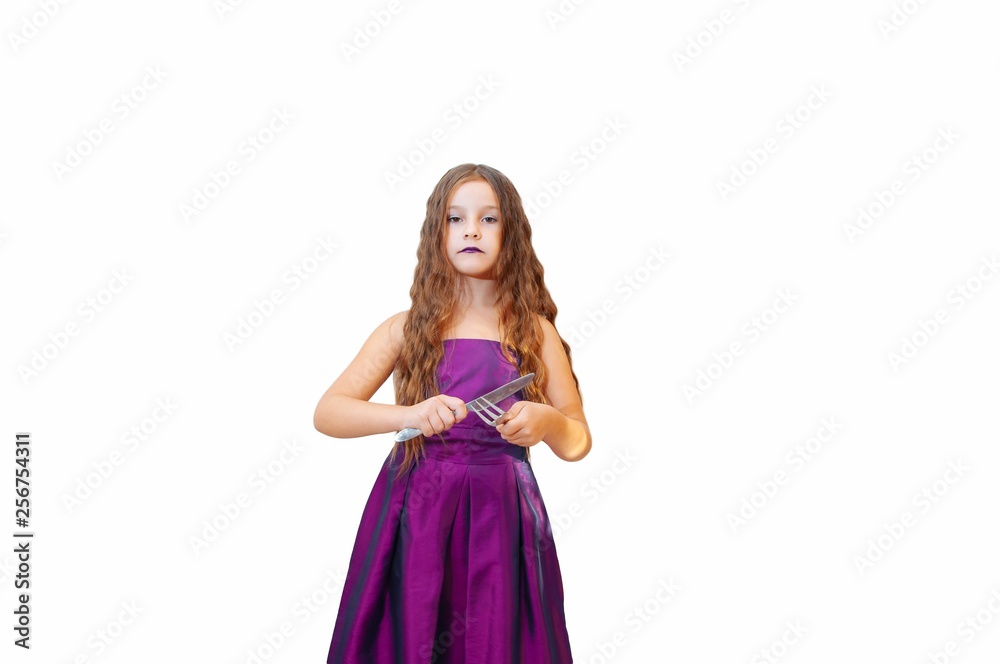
(480, 405)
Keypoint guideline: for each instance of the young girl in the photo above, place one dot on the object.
(454, 559)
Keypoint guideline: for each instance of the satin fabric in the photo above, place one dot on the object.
(454, 562)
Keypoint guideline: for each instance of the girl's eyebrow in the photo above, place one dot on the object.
(462, 209)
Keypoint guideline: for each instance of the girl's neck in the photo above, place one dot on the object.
(476, 318)
(477, 296)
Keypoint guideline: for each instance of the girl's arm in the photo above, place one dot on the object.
(344, 411)
(568, 435)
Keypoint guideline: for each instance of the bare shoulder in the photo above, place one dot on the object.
(550, 337)
(547, 327)
(560, 389)
(396, 323)
(390, 331)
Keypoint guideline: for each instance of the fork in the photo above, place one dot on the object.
(491, 408)
(493, 413)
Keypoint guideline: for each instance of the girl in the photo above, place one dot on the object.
(454, 559)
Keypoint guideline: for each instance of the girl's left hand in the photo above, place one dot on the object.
(526, 423)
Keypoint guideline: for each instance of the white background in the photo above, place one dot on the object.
(817, 552)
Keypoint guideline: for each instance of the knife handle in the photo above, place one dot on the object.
(410, 432)
(406, 434)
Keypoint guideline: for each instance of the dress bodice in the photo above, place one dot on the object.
(469, 369)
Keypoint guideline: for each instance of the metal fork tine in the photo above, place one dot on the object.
(482, 405)
(490, 408)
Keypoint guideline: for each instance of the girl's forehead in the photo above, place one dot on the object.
(473, 188)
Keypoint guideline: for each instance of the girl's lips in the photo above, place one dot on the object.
(470, 251)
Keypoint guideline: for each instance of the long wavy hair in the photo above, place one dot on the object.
(434, 295)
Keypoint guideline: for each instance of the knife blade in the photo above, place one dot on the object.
(476, 404)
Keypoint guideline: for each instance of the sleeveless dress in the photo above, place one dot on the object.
(454, 562)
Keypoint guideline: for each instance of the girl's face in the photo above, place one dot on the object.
(473, 220)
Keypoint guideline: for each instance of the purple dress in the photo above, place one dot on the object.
(454, 562)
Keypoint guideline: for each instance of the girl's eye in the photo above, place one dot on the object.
(492, 220)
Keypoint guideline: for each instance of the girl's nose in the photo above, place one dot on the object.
(472, 231)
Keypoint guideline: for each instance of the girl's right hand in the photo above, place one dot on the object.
(435, 414)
